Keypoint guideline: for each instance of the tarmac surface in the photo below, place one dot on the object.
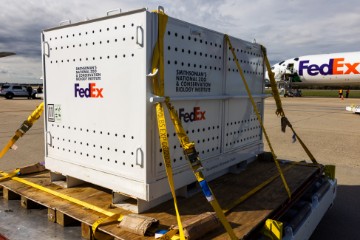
(331, 133)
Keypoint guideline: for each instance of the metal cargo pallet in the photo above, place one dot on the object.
(244, 218)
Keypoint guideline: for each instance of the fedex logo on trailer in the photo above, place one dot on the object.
(90, 92)
(336, 66)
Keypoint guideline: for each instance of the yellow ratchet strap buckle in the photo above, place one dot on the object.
(273, 229)
(193, 157)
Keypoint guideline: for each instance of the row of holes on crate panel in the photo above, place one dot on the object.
(83, 144)
(196, 53)
(175, 62)
(198, 141)
(194, 65)
(204, 129)
(87, 44)
(215, 68)
(237, 50)
(79, 34)
(209, 150)
(90, 58)
(180, 158)
(243, 131)
(196, 40)
(244, 139)
(88, 155)
(249, 68)
(240, 121)
(87, 130)
(246, 71)
(199, 40)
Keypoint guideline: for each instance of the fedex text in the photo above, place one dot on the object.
(91, 91)
(195, 115)
(336, 66)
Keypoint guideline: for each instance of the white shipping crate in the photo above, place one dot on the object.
(100, 117)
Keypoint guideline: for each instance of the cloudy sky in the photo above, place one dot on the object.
(288, 28)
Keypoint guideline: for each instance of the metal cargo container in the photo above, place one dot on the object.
(100, 118)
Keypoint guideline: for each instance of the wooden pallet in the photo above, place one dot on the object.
(244, 218)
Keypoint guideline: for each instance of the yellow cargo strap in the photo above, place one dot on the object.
(258, 116)
(158, 85)
(113, 218)
(193, 158)
(330, 171)
(158, 56)
(171, 234)
(167, 161)
(110, 215)
(279, 111)
(25, 126)
(9, 175)
(63, 196)
(243, 198)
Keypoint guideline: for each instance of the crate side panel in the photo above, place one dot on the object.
(95, 90)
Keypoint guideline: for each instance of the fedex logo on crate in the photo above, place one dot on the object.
(335, 66)
(90, 91)
(195, 115)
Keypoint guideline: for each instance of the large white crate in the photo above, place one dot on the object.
(100, 116)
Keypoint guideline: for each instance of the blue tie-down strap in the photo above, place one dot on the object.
(206, 190)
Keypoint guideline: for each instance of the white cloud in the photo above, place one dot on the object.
(20, 69)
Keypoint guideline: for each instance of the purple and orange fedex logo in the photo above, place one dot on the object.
(336, 66)
(195, 115)
(91, 91)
